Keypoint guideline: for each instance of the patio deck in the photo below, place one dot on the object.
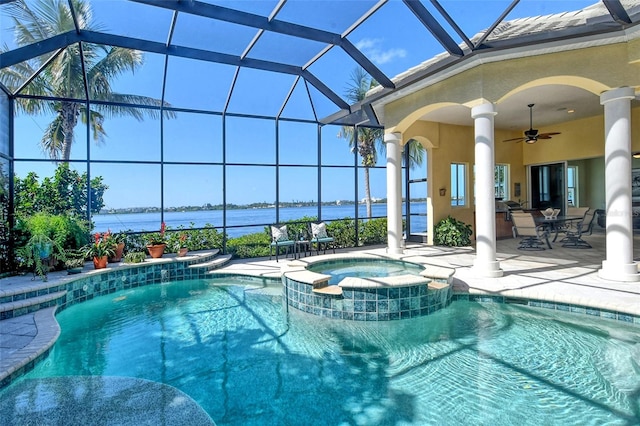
(562, 276)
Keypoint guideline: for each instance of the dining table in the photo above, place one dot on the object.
(556, 224)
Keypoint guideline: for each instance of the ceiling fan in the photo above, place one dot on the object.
(532, 135)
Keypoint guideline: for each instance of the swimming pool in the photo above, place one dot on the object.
(232, 346)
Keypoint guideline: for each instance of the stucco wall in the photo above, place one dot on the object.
(494, 81)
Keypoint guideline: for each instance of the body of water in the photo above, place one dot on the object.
(247, 220)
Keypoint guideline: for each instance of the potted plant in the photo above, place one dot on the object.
(100, 249)
(119, 239)
(38, 253)
(157, 242)
(50, 235)
(182, 245)
(74, 261)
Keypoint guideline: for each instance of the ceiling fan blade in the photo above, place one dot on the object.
(514, 140)
(547, 135)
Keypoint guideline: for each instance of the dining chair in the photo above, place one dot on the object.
(574, 237)
(533, 236)
(571, 225)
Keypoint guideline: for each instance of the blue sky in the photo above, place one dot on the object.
(393, 39)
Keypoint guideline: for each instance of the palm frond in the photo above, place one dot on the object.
(97, 120)
(117, 61)
(416, 152)
(111, 110)
(65, 74)
(28, 27)
(53, 139)
(13, 77)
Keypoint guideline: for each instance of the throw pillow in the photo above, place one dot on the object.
(279, 234)
(319, 230)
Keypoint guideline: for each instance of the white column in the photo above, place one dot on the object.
(619, 264)
(394, 193)
(485, 263)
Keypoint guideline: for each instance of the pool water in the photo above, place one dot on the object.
(232, 346)
(364, 268)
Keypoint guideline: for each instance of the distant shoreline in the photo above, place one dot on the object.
(132, 210)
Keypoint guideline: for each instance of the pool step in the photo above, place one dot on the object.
(38, 332)
(319, 282)
(29, 304)
(439, 274)
(332, 290)
(406, 280)
(216, 263)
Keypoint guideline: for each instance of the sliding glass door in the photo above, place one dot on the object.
(548, 186)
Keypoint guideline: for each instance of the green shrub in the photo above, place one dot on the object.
(204, 239)
(61, 194)
(343, 232)
(452, 232)
(373, 231)
(68, 231)
(250, 245)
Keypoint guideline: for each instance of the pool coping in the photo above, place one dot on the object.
(563, 303)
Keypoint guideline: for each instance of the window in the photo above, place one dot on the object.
(572, 184)
(501, 173)
(458, 184)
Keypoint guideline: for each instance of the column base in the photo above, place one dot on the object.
(487, 269)
(395, 250)
(625, 272)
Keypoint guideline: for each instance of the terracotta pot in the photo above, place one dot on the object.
(157, 250)
(117, 257)
(100, 262)
(182, 252)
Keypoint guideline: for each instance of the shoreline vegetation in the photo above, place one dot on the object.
(262, 205)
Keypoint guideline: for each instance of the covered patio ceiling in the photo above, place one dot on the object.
(290, 51)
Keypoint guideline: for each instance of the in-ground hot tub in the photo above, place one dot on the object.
(363, 268)
(367, 288)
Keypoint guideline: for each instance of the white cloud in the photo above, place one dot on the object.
(371, 48)
(367, 43)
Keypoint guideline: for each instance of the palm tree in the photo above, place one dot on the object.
(64, 77)
(369, 140)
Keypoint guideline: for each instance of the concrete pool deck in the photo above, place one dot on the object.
(562, 276)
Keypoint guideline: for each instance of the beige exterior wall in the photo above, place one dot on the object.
(595, 69)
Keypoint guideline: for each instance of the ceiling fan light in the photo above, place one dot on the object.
(530, 140)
